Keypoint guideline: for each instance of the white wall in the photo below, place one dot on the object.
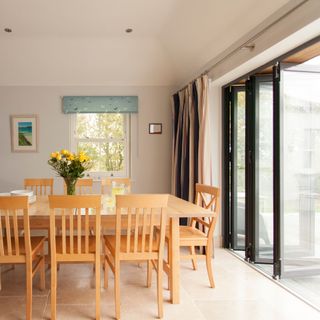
(151, 154)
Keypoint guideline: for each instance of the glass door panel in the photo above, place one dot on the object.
(264, 170)
(273, 171)
(301, 169)
(238, 167)
(251, 169)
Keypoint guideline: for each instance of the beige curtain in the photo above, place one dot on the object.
(189, 113)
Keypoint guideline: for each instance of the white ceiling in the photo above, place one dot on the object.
(82, 42)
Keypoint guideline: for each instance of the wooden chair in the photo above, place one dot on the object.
(83, 186)
(137, 215)
(75, 244)
(106, 184)
(39, 186)
(21, 250)
(200, 231)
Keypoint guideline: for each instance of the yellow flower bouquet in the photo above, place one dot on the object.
(70, 167)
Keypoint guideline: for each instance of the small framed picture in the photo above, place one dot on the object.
(155, 128)
(24, 133)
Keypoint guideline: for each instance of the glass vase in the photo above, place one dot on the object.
(70, 185)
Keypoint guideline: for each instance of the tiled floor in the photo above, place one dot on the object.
(306, 286)
(240, 293)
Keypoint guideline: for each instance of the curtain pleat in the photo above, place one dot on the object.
(189, 109)
(202, 89)
(185, 158)
(195, 139)
(175, 113)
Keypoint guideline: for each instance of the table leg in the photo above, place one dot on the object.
(175, 261)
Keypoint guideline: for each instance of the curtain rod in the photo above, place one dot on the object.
(248, 44)
(190, 82)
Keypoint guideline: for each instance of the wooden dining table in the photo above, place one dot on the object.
(177, 208)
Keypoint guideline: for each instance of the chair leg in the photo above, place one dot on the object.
(213, 251)
(53, 291)
(194, 259)
(0, 277)
(149, 273)
(159, 288)
(106, 270)
(29, 290)
(117, 288)
(42, 270)
(209, 267)
(49, 251)
(169, 263)
(97, 267)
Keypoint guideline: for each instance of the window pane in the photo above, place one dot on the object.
(112, 125)
(100, 126)
(105, 140)
(88, 126)
(107, 156)
(92, 149)
(112, 156)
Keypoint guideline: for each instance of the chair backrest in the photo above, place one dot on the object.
(39, 186)
(83, 186)
(207, 197)
(106, 184)
(75, 216)
(137, 216)
(10, 209)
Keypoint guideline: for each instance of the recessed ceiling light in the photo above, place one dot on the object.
(8, 30)
(129, 30)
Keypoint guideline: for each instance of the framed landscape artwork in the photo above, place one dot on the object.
(24, 133)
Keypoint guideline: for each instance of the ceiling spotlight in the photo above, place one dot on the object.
(129, 30)
(8, 30)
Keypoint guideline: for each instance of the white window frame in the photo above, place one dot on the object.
(97, 175)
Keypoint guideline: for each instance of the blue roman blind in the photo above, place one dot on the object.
(100, 104)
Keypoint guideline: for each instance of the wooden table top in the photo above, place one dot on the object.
(176, 208)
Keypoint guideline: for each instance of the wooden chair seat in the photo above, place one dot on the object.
(36, 243)
(91, 244)
(110, 242)
(189, 233)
